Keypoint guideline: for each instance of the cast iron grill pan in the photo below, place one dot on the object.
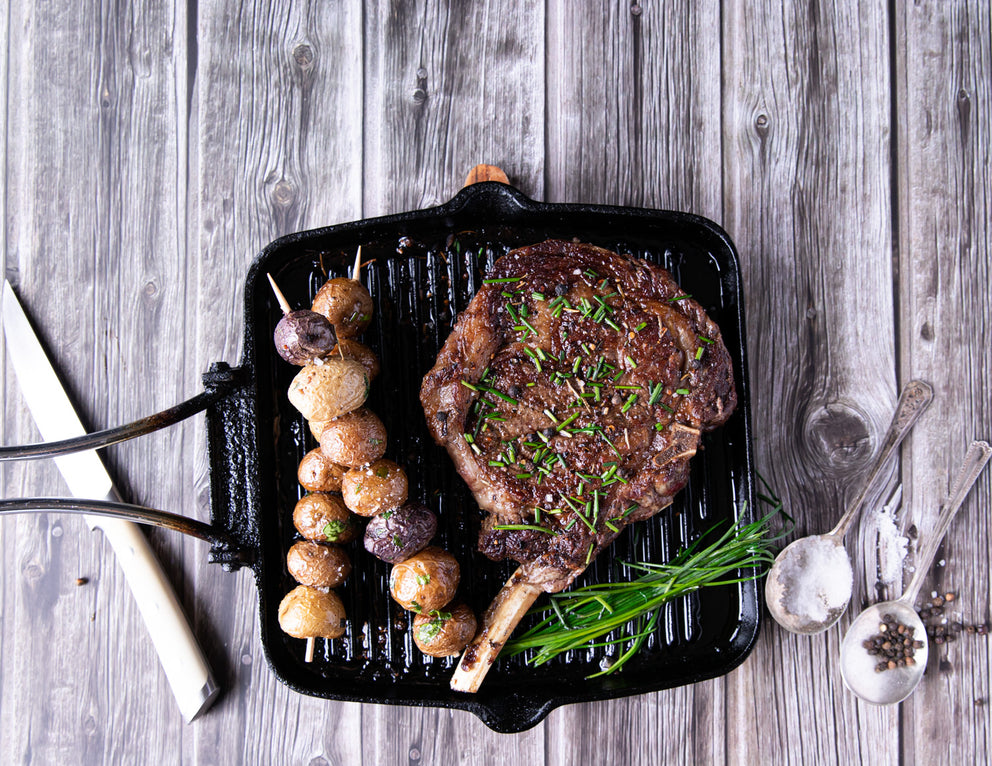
(425, 267)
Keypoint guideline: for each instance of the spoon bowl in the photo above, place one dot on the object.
(809, 584)
(858, 667)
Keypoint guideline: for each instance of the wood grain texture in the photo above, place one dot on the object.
(449, 86)
(275, 147)
(151, 149)
(93, 211)
(806, 167)
(633, 100)
(944, 80)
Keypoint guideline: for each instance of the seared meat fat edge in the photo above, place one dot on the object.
(571, 395)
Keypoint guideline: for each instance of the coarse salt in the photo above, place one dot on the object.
(816, 579)
(892, 546)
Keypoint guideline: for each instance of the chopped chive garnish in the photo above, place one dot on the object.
(655, 394)
(628, 388)
(631, 362)
(640, 327)
(501, 280)
(551, 416)
(666, 408)
(532, 527)
(527, 324)
(699, 353)
(567, 420)
(612, 324)
(504, 397)
(592, 547)
(682, 391)
(524, 475)
(468, 438)
(537, 296)
(678, 298)
(629, 403)
(705, 339)
(476, 450)
(469, 385)
(612, 528)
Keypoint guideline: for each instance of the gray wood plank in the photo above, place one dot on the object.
(634, 119)
(449, 86)
(93, 205)
(275, 147)
(807, 200)
(944, 103)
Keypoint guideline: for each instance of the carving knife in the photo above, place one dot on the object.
(184, 665)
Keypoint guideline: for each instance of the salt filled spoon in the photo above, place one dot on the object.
(809, 584)
(858, 668)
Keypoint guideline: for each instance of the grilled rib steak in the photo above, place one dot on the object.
(571, 394)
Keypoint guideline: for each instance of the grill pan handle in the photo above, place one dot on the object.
(226, 391)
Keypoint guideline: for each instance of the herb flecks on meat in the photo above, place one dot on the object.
(571, 395)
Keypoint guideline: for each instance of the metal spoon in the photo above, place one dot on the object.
(857, 666)
(798, 595)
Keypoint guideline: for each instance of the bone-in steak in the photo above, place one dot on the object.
(571, 394)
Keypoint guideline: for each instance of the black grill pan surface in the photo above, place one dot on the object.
(423, 268)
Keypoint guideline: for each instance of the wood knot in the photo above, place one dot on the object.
(303, 55)
(283, 194)
(838, 439)
(761, 124)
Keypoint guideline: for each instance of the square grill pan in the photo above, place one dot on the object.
(424, 267)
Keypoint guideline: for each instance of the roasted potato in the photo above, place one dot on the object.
(328, 388)
(425, 581)
(310, 613)
(354, 439)
(318, 474)
(396, 535)
(317, 427)
(379, 486)
(323, 518)
(359, 352)
(346, 304)
(444, 632)
(317, 565)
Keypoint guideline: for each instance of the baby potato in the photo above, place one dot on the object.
(379, 486)
(425, 581)
(393, 536)
(346, 304)
(327, 388)
(307, 612)
(323, 518)
(352, 349)
(442, 633)
(318, 474)
(316, 565)
(317, 427)
(354, 439)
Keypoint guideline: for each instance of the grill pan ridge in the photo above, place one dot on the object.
(425, 267)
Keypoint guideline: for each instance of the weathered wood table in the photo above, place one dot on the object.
(151, 149)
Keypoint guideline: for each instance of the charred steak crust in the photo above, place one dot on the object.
(571, 395)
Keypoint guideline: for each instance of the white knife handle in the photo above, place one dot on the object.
(183, 662)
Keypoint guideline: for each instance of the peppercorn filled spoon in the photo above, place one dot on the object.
(885, 650)
(809, 585)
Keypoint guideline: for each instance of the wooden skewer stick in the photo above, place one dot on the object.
(356, 272)
(309, 655)
(283, 303)
(498, 622)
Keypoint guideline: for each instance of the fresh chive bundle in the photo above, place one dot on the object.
(585, 617)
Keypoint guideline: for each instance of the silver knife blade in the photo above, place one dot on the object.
(185, 667)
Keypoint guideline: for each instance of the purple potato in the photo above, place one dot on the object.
(302, 336)
(394, 536)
